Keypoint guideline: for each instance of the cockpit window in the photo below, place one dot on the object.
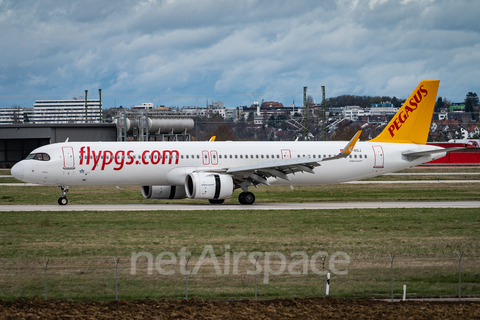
(38, 156)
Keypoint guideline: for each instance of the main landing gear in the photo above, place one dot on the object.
(216, 201)
(246, 198)
(63, 199)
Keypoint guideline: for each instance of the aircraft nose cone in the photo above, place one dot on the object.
(17, 171)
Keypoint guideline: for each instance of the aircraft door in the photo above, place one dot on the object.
(378, 155)
(206, 157)
(68, 159)
(214, 156)
(286, 154)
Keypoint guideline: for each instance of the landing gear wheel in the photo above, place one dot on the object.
(216, 201)
(63, 199)
(246, 198)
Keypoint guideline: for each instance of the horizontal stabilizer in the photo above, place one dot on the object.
(418, 154)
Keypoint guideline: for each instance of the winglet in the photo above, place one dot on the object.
(212, 138)
(348, 148)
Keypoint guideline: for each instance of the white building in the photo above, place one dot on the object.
(66, 111)
(11, 115)
(144, 106)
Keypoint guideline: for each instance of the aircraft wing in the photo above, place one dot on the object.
(258, 174)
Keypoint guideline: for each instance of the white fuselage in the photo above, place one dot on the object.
(168, 163)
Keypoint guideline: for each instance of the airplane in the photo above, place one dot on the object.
(212, 170)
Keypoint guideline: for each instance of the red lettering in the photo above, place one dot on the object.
(397, 125)
(407, 110)
(167, 154)
(119, 159)
(129, 154)
(419, 97)
(107, 158)
(413, 104)
(144, 156)
(423, 90)
(402, 117)
(82, 152)
(391, 129)
(96, 159)
(156, 156)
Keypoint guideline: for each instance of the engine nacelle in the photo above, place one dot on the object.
(163, 192)
(209, 186)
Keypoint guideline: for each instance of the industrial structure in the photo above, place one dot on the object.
(147, 124)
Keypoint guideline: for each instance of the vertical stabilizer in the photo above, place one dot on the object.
(411, 123)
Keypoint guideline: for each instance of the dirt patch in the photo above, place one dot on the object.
(307, 308)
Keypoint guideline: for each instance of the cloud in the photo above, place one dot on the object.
(184, 51)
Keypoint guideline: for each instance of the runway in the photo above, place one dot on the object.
(256, 206)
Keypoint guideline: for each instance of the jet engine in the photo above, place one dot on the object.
(209, 186)
(163, 192)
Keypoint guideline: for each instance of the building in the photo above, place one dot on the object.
(67, 111)
(18, 140)
(11, 115)
(144, 106)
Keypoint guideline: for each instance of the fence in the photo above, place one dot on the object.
(440, 269)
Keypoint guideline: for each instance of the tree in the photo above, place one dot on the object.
(439, 105)
(223, 133)
(282, 121)
(375, 100)
(473, 98)
(468, 105)
(271, 121)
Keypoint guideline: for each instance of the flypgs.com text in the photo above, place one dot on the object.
(120, 158)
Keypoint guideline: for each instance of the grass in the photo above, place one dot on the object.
(35, 195)
(80, 246)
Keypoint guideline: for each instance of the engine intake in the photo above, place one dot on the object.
(209, 186)
(163, 192)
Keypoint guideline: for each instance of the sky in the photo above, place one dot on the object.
(188, 52)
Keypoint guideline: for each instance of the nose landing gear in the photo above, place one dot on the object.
(63, 199)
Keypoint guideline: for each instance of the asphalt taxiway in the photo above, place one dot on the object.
(256, 206)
